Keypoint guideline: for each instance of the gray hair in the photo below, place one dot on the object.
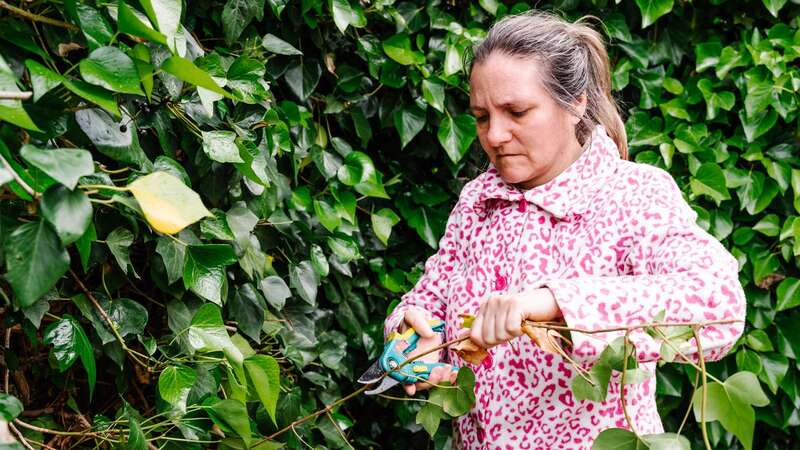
(573, 60)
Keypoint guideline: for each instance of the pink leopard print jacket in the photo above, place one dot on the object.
(616, 244)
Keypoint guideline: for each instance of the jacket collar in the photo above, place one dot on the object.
(570, 192)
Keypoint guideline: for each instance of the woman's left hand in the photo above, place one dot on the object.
(500, 316)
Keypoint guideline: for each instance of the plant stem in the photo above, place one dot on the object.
(36, 17)
(622, 382)
(15, 95)
(705, 389)
(17, 178)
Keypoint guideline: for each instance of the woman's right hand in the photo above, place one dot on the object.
(428, 339)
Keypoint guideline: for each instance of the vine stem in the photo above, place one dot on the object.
(622, 383)
(36, 17)
(705, 389)
(17, 178)
(15, 95)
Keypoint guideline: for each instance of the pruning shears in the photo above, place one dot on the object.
(392, 362)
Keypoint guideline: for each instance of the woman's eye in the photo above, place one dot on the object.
(519, 113)
(481, 119)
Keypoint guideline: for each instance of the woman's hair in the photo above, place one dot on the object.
(573, 60)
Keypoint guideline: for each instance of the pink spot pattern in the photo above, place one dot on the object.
(616, 244)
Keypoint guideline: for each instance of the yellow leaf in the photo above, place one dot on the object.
(168, 205)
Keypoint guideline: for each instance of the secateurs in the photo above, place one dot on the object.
(392, 361)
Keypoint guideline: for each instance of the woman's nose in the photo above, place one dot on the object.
(498, 133)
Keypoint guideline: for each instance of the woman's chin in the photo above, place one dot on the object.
(513, 176)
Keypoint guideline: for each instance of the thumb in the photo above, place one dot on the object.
(417, 320)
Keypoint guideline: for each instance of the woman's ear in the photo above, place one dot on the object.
(580, 108)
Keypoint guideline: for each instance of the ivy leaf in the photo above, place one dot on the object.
(398, 47)
(788, 294)
(116, 139)
(773, 369)
(304, 280)
(35, 260)
(237, 14)
(456, 135)
(275, 291)
(119, 242)
(185, 70)
(433, 93)
(247, 307)
(204, 270)
(10, 407)
(359, 172)
(327, 215)
(774, 6)
(70, 343)
(618, 439)
(65, 165)
(135, 23)
(173, 254)
(759, 124)
(94, 26)
(319, 262)
(429, 417)
(166, 14)
(409, 121)
(174, 385)
(710, 180)
(220, 146)
(43, 79)
(168, 205)
(279, 46)
(264, 374)
(111, 68)
(344, 15)
(303, 78)
(653, 9)
(11, 110)
(382, 223)
(70, 212)
(600, 374)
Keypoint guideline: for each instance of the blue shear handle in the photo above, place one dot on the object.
(414, 371)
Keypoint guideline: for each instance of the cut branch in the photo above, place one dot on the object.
(36, 17)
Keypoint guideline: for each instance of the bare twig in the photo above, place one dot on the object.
(17, 178)
(703, 427)
(622, 383)
(15, 95)
(36, 17)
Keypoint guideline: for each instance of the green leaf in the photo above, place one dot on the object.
(398, 47)
(135, 23)
(11, 110)
(710, 180)
(345, 14)
(94, 26)
(10, 407)
(429, 417)
(769, 225)
(111, 68)
(382, 223)
(456, 135)
(759, 124)
(69, 343)
(264, 374)
(774, 6)
(119, 242)
(204, 270)
(136, 438)
(600, 375)
(174, 385)
(35, 260)
(116, 139)
(166, 14)
(773, 369)
(304, 280)
(409, 121)
(319, 262)
(653, 9)
(359, 171)
(303, 78)
(788, 294)
(247, 307)
(327, 214)
(758, 341)
(618, 439)
(275, 291)
(279, 46)
(185, 70)
(43, 79)
(65, 165)
(234, 414)
(168, 205)
(433, 93)
(237, 14)
(220, 146)
(95, 94)
(70, 212)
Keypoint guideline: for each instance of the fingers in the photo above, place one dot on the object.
(437, 376)
(499, 320)
(417, 320)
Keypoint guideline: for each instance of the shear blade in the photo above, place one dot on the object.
(373, 374)
(385, 385)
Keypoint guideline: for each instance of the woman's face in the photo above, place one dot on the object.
(528, 137)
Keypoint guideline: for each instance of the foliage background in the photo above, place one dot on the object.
(330, 165)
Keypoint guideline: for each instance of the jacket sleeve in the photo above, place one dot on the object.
(677, 269)
(431, 290)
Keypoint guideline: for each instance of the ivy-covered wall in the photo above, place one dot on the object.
(314, 151)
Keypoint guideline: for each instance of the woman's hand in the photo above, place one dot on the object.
(428, 340)
(500, 316)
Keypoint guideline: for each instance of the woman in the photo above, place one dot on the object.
(562, 227)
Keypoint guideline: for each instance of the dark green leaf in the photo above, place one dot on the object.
(65, 165)
(69, 343)
(35, 260)
(204, 270)
(456, 135)
(264, 374)
(119, 242)
(70, 212)
(112, 69)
